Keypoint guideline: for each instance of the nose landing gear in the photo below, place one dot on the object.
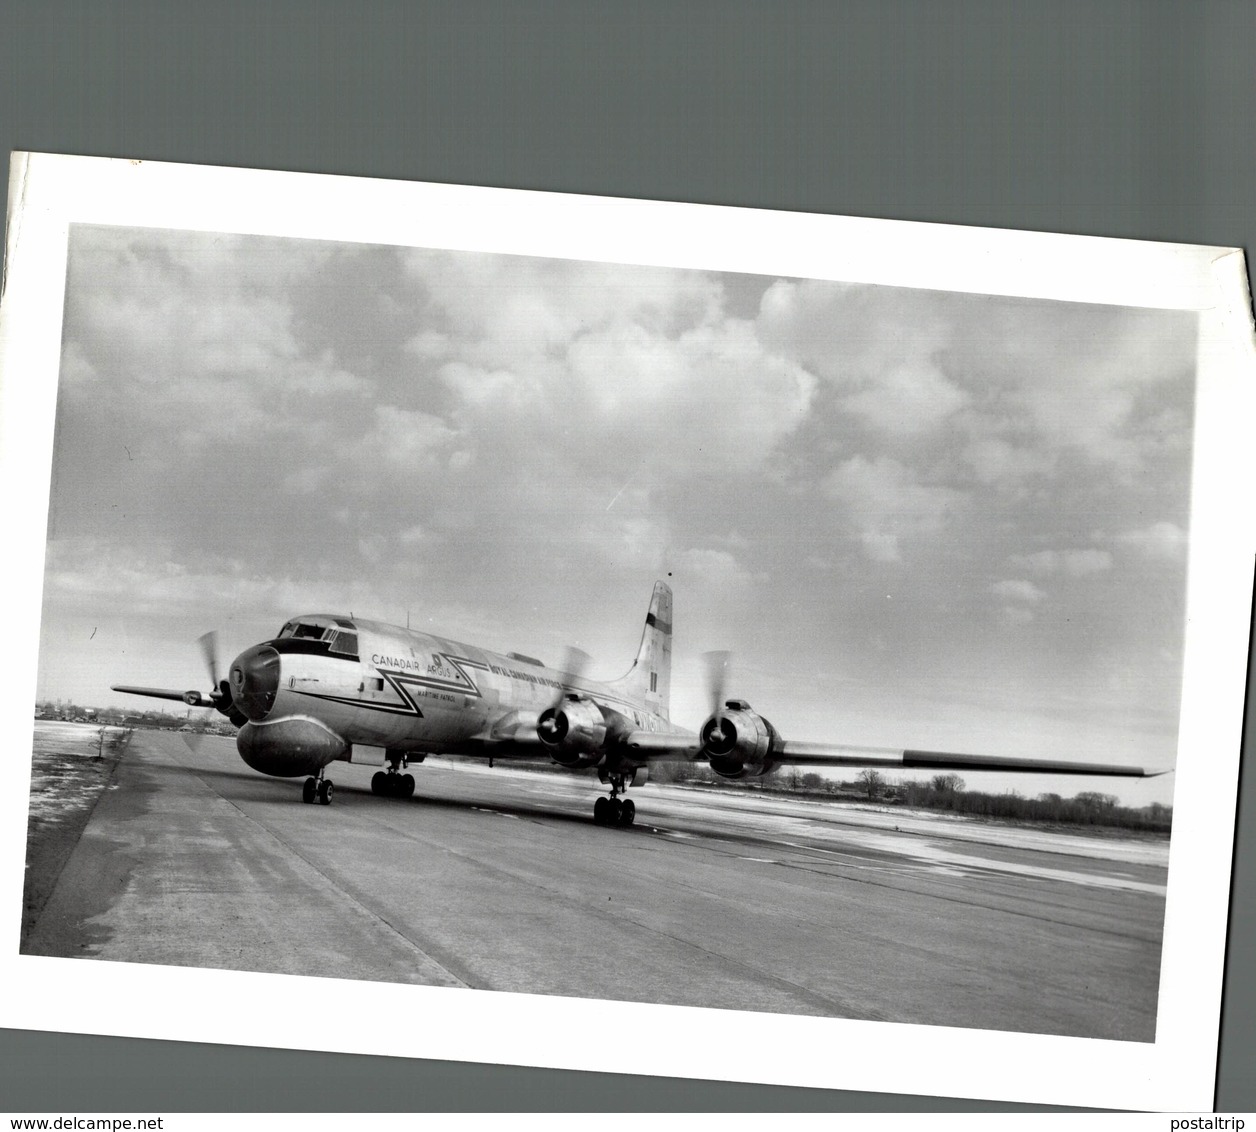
(614, 810)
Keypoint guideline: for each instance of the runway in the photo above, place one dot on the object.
(498, 879)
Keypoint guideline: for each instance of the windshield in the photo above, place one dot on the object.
(337, 633)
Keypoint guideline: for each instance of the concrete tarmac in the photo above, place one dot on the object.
(498, 879)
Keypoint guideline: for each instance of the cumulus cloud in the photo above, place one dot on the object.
(1023, 383)
(494, 309)
(1018, 598)
(849, 335)
(911, 398)
(1075, 563)
(1165, 541)
(198, 330)
(578, 361)
(1086, 379)
(1005, 465)
(88, 575)
(884, 503)
(715, 570)
(407, 438)
(498, 390)
(413, 535)
(1018, 590)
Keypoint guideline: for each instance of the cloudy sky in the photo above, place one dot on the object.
(917, 517)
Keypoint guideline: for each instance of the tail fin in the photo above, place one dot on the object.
(650, 677)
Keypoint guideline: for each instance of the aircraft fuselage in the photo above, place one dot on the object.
(366, 691)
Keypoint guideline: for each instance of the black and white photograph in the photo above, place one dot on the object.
(554, 617)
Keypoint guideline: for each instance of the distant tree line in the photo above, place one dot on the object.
(944, 792)
(1089, 808)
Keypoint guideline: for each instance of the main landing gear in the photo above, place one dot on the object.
(320, 788)
(391, 783)
(615, 810)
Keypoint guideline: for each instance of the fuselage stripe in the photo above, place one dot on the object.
(409, 708)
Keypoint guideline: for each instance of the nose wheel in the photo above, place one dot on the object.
(318, 788)
(615, 811)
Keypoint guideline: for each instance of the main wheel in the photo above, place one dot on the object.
(629, 812)
(379, 783)
(599, 810)
(406, 786)
(614, 811)
(309, 790)
(325, 790)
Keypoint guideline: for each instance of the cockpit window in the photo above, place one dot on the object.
(328, 629)
(345, 643)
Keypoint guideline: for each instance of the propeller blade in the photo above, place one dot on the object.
(219, 697)
(717, 665)
(209, 650)
(575, 664)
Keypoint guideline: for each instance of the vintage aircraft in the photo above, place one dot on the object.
(330, 688)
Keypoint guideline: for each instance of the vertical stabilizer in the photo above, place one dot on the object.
(650, 677)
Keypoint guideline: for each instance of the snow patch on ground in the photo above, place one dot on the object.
(67, 767)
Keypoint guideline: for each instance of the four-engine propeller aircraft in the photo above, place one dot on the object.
(331, 688)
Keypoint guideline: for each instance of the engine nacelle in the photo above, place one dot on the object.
(574, 732)
(289, 747)
(738, 742)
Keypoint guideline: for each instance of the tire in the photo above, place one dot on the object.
(599, 810)
(614, 812)
(326, 789)
(379, 783)
(629, 813)
(407, 786)
(309, 790)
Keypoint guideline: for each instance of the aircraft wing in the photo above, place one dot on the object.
(663, 747)
(801, 753)
(660, 746)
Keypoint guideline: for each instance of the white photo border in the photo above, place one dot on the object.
(1177, 1072)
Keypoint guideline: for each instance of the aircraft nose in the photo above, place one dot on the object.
(254, 680)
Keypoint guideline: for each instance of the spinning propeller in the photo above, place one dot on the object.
(717, 669)
(209, 650)
(575, 664)
(220, 696)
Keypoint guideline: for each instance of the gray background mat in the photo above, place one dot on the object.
(1128, 119)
